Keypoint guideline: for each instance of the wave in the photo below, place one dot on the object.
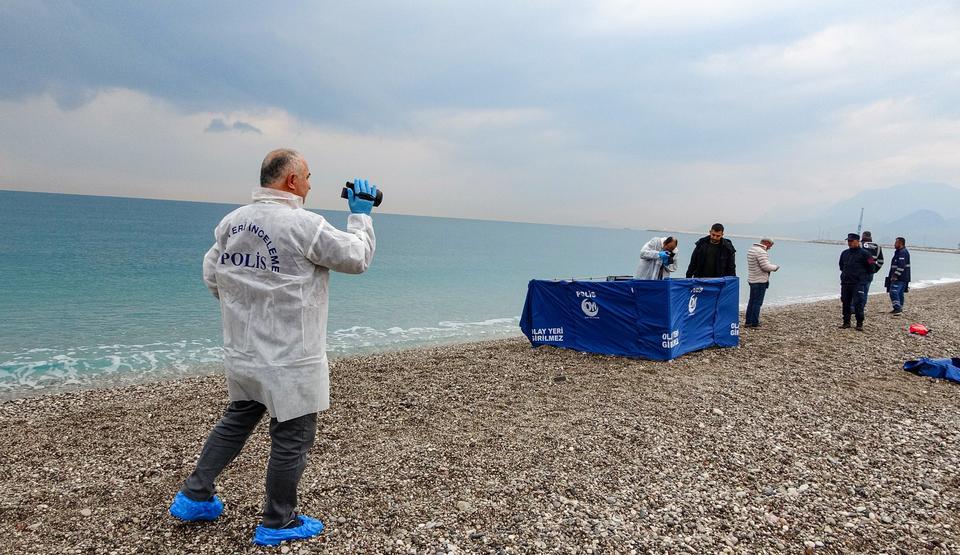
(47, 370)
(924, 283)
(363, 339)
(56, 369)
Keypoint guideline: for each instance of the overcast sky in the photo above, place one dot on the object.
(604, 112)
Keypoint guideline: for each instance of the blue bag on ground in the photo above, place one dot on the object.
(943, 368)
(652, 319)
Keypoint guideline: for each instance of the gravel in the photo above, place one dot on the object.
(807, 438)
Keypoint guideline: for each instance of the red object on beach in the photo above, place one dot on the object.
(919, 329)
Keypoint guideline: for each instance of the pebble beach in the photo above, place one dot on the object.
(805, 439)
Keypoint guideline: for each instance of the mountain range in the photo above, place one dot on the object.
(926, 214)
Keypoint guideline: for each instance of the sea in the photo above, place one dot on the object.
(104, 291)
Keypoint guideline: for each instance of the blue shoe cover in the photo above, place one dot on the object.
(309, 527)
(189, 510)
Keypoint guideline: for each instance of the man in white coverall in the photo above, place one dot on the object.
(657, 258)
(270, 268)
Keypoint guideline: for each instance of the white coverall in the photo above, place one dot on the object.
(650, 266)
(270, 269)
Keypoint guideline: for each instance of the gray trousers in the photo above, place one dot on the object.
(289, 443)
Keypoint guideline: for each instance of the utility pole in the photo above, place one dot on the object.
(860, 225)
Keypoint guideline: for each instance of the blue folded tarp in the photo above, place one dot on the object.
(943, 368)
(652, 319)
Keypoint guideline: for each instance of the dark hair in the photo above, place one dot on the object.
(276, 165)
(902, 240)
(716, 227)
(668, 239)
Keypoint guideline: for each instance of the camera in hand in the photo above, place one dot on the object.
(670, 257)
(362, 196)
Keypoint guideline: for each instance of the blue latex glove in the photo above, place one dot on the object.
(358, 205)
(664, 257)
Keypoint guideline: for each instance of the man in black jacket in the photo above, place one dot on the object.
(856, 266)
(874, 250)
(713, 256)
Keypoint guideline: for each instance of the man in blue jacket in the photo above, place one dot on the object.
(855, 273)
(899, 278)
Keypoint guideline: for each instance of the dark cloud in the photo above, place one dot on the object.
(217, 125)
(368, 66)
(245, 127)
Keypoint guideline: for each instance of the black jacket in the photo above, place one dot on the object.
(726, 260)
(876, 251)
(855, 266)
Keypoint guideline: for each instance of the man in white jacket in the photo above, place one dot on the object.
(657, 258)
(759, 269)
(269, 267)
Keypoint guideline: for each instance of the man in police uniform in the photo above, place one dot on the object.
(269, 267)
(855, 274)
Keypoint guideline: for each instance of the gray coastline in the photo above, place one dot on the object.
(805, 438)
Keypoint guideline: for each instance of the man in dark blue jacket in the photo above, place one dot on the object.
(899, 278)
(855, 273)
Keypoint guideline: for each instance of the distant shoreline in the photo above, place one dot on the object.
(909, 247)
(818, 241)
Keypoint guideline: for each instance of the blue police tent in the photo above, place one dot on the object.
(652, 319)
